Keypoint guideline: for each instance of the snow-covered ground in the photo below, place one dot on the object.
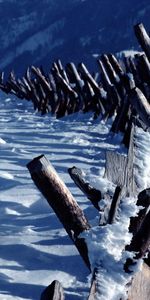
(34, 248)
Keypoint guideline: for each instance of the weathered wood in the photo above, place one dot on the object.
(129, 186)
(34, 95)
(91, 193)
(114, 205)
(61, 200)
(141, 105)
(134, 71)
(115, 98)
(116, 65)
(115, 168)
(121, 118)
(71, 68)
(62, 71)
(86, 75)
(53, 292)
(105, 78)
(129, 117)
(43, 80)
(144, 202)
(92, 293)
(128, 83)
(141, 240)
(114, 78)
(65, 86)
(143, 38)
(140, 287)
(143, 65)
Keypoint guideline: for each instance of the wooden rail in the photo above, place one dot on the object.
(121, 87)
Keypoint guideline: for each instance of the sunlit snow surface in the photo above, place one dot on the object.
(34, 248)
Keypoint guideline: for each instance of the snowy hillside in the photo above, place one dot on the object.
(38, 32)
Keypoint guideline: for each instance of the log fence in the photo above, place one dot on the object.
(120, 89)
(120, 86)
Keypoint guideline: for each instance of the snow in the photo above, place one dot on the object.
(35, 248)
(142, 160)
(106, 246)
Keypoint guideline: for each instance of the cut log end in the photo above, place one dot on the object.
(53, 292)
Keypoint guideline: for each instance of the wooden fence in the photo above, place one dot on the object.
(120, 89)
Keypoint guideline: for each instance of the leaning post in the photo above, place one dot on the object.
(62, 202)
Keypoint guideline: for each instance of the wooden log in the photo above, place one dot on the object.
(115, 98)
(53, 292)
(54, 94)
(35, 96)
(114, 78)
(116, 65)
(143, 66)
(130, 118)
(32, 83)
(91, 193)
(86, 75)
(26, 84)
(71, 68)
(141, 105)
(88, 94)
(144, 202)
(140, 242)
(22, 88)
(61, 200)
(105, 78)
(143, 38)
(42, 79)
(114, 205)
(112, 93)
(128, 83)
(65, 86)
(134, 71)
(64, 107)
(17, 87)
(79, 84)
(62, 71)
(129, 183)
(94, 100)
(121, 118)
(127, 64)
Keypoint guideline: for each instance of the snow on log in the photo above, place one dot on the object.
(141, 105)
(86, 75)
(114, 78)
(92, 194)
(116, 65)
(42, 78)
(61, 200)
